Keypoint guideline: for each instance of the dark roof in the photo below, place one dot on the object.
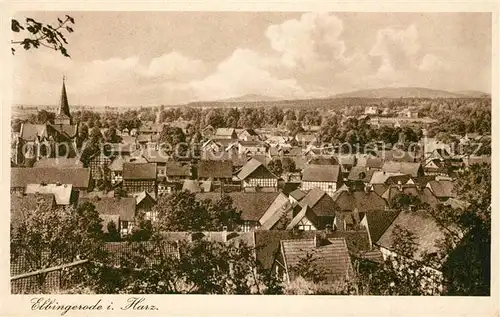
(323, 160)
(252, 205)
(267, 242)
(425, 195)
(359, 173)
(139, 171)
(215, 169)
(66, 130)
(252, 166)
(177, 169)
(250, 132)
(59, 162)
(30, 132)
(121, 251)
(378, 221)
(78, 177)
(297, 194)
(379, 188)
(124, 207)
(419, 222)
(305, 212)
(370, 162)
(332, 256)
(360, 200)
(321, 173)
(21, 203)
(321, 204)
(442, 188)
(397, 156)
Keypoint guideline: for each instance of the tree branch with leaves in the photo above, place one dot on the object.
(35, 34)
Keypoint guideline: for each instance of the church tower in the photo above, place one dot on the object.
(63, 115)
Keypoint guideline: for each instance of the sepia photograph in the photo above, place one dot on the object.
(251, 153)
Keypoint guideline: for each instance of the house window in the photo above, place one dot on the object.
(305, 227)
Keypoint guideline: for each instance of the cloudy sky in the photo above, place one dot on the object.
(139, 58)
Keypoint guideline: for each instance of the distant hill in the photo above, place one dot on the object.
(250, 98)
(474, 93)
(398, 92)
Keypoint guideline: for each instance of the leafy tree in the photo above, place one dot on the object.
(405, 272)
(467, 269)
(199, 267)
(180, 211)
(307, 268)
(48, 237)
(111, 136)
(113, 235)
(288, 165)
(222, 213)
(275, 166)
(34, 34)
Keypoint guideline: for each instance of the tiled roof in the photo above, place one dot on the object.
(370, 162)
(379, 221)
(124, 207)
(177, 169)
(379, 188)
(321, 173)
(360, 200)
(305, 212)
(312, 197)
(359, 173)
(420, 223)
(78, 177)
(277, 207)
(424, 195)
(298, 194)
(21, 203)
(215, 169)
(398, 156)
(30, 132)
(323, 160)
(442, 188)
(267, 242)
(402, 167)
(61, 192)
(61, 162)
(252, 205)
(152, 155)
(67, 130)
(117, 164)
(157, 250)
(143, 196)
(224, 132)
(332, 256)
(138, 171)
(346, 159)
(380, 177)
(250, 132)
(252, 166)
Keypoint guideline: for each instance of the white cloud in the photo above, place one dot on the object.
(309, 42)
(174, 66)
(244, 72)
(431, 62)
(398, 49)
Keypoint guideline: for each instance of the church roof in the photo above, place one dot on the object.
(64, 105)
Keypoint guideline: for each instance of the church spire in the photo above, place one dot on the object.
(63, 113)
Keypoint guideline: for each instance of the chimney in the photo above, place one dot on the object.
(400, 186)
